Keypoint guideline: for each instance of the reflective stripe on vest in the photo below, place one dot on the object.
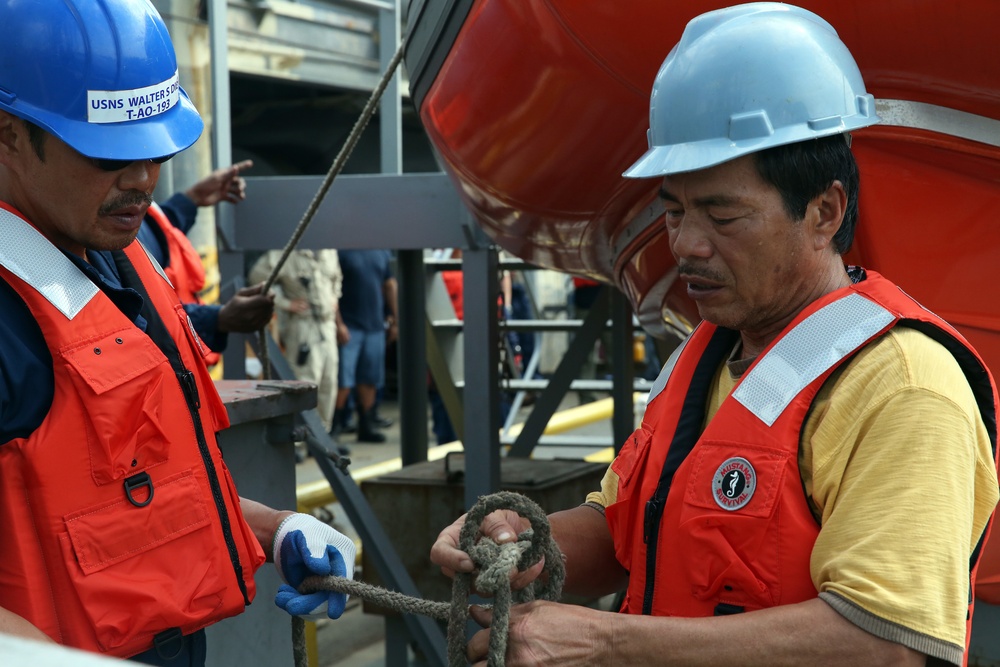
(29, 256)
(814, 346)
(798, 358)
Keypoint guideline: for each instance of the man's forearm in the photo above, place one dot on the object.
(264, 522)
(808, 633)
(591, 567)
(390, 292)
(12, 624)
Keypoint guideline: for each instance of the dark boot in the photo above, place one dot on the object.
(367, 432)
(350, 424)
(337, 425)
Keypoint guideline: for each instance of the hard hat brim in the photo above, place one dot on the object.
(165, 134)
(693, 156)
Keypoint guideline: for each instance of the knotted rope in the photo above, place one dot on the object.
(494, 563)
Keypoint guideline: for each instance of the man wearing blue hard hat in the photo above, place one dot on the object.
(815, 471)
(123, 532)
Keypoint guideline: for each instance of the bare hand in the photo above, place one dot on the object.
(391, 333)
(223, 184)
(343, 334)
(247, 311)
(546, 633)
(501, 526)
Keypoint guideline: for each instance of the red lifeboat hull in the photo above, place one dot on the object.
(539, 107)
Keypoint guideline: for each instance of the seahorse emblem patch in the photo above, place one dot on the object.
(734, 483)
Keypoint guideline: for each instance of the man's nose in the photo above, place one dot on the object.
(140, 175)
(687, 239)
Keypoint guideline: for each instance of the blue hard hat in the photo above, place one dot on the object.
(747, 78)
(99, 74)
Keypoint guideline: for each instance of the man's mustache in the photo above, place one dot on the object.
(692, 271)
(126, 200)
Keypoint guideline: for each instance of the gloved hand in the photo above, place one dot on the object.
(305, 546)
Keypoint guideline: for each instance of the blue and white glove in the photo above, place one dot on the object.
(305, 546)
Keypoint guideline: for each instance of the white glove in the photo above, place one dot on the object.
(305, 546)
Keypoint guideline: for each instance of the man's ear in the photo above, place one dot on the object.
(12, 135)
(826, 213)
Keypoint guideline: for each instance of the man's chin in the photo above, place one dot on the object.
(719, 317)
(114, 241)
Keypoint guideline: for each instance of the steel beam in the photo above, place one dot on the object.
(481, 396)
(546, 404)
(394, 211)
(411, 357)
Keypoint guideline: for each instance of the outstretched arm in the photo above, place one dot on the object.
(223, 184)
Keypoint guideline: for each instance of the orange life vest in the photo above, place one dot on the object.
(121, 519)
(697, 517)
(184, 268)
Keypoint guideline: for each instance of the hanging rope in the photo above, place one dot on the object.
(298, 625)
(494, 563)
(335, 169)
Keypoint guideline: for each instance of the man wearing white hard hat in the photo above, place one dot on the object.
(815, 471)
(123, 532)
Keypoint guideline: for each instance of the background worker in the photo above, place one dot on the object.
(585, 292)
(123, 532)
(164, 234)
(739, 518)
(367, 322)
(307, 292)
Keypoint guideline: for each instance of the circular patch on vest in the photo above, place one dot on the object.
(734, 483)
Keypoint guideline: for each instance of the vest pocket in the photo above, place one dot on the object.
(728, 515)
(624, 516)
(137, 571)
(117, 379)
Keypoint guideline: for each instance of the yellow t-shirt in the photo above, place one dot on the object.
(898, 468)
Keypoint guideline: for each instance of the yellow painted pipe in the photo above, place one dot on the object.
(311, 495)
(317, 494)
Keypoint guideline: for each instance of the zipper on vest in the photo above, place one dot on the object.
(651, 536)
(190, 389)
(157, 331)
(686, 434)
(651, 522)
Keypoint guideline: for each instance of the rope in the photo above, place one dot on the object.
(335, 169)
(298, 625)
(494, 563)
(300, 654)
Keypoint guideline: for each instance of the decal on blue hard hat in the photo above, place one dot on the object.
(116, 106)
